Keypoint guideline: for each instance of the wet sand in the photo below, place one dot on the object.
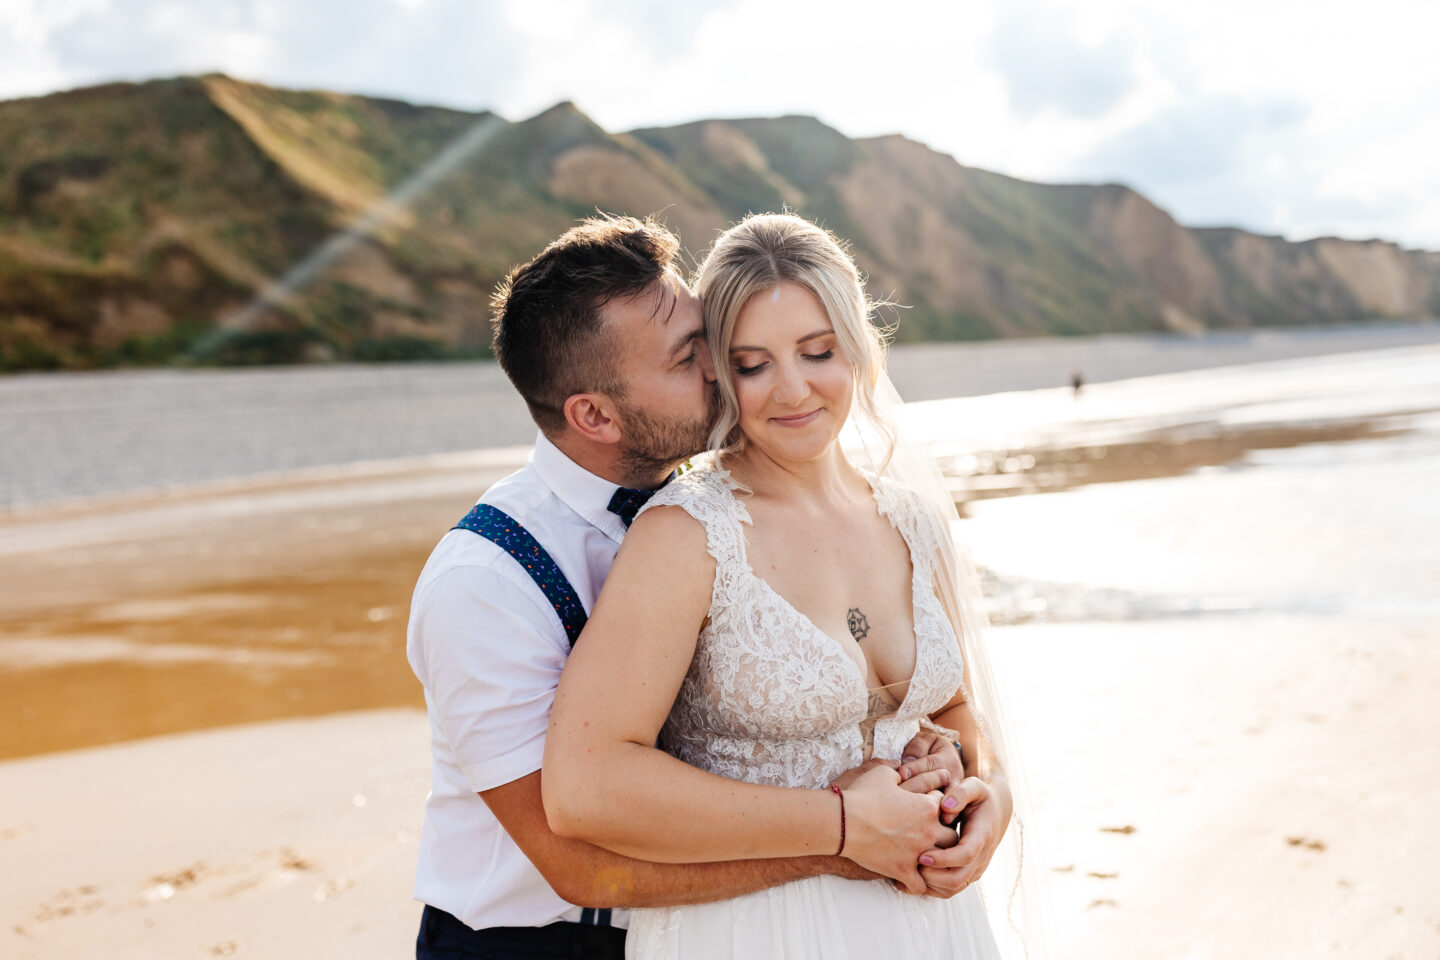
(153, 615)
(134, 619)
(1243, 773)
(1250, 773)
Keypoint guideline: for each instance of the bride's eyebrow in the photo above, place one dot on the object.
(741, 348)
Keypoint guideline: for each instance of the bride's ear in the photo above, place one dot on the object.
(593, 416)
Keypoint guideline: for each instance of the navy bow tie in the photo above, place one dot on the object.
(626, 503)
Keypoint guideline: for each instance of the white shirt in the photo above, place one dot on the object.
(488, 648)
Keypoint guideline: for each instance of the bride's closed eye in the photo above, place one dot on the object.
(744, 371)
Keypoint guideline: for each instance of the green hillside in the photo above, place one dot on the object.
(150, 223)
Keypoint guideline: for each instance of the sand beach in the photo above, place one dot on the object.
(1224, 670)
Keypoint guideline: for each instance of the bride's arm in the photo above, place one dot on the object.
(605, 782)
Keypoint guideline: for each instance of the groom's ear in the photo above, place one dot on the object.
(593, 416)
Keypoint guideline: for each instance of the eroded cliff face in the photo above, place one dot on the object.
(137, 221)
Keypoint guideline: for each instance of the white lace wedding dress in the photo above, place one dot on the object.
(770, 698)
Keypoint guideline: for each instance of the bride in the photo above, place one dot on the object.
(776, 616)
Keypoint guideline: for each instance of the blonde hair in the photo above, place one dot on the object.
(754, 256)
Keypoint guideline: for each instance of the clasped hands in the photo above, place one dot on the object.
(936, 833)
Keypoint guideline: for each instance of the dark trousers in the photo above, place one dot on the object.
(442, 937)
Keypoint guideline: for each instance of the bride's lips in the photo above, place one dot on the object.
(798, 420)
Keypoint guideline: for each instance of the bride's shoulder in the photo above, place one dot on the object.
(703, 491)
(704, 484)
(689, 515)
(892, 492)
(906, 507)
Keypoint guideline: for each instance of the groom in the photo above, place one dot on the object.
(605, 343)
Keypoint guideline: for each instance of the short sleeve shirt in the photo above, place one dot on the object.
(488, 648)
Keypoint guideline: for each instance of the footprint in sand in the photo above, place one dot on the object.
(283, 865)
(1127, 829)
(1102, 876)
(163, 886)
(67, 903)
(1317, 845)
(290, 860)
(331, 889)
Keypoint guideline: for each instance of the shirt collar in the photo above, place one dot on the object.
(578, 488)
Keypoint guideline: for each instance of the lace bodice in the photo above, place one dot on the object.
(769, 697)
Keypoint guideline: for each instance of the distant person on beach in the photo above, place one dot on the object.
(1077, 383)
(605, 342)
(777, 614)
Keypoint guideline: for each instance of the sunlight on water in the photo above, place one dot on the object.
(1324, 528)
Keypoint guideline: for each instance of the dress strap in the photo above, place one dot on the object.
(505, 532)
(707, 494)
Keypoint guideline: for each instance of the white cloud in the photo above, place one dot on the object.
(1048, 62)
(1355, 85)
(1183, 101)
(27, 66)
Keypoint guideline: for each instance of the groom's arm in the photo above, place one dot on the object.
(588, 876)
(490, 671)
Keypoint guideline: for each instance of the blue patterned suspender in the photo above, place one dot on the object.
(505, 532)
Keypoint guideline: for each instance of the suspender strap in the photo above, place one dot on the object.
(505, 532)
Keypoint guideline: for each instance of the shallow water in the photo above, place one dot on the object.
(85, 434)
(1312, 493)
(1287, 489)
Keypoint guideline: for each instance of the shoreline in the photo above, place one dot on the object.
(107, 433)
(239, 602)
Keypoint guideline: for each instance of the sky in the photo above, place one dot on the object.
(1296, 118)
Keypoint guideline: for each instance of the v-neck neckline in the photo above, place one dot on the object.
(837, 646)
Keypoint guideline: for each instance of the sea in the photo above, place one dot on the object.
(67, 436)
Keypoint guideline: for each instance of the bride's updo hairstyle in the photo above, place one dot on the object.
(754, 256)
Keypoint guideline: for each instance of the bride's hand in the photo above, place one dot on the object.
(888, 828)
(986, 815)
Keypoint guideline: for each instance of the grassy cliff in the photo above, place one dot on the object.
(137, 222)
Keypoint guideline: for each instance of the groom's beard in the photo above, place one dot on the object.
(657, 444)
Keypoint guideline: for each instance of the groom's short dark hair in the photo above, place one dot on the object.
(549, 335)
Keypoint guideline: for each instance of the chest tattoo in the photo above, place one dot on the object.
(859, 626)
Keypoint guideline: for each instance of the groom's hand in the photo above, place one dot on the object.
(985, 815)
(927, 753)
(936, 778)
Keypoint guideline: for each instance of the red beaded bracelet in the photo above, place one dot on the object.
(842, 818)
